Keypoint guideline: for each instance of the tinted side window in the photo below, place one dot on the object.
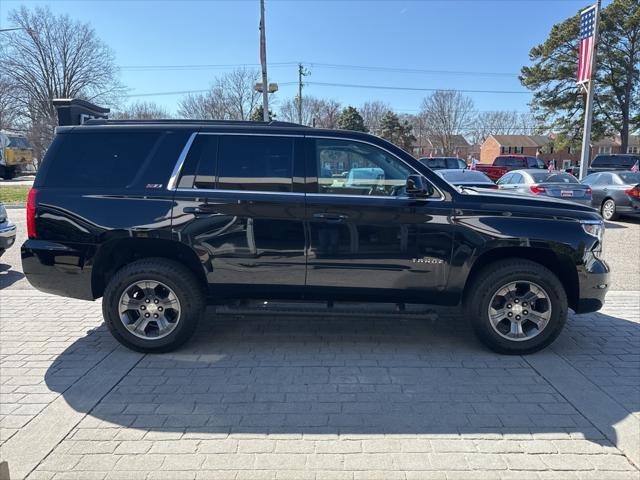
(604, 179)
(516, 179)
(505, 179)
(199, 170)
(99, 160)
(354, 168)
(263, 163)
(455, 163)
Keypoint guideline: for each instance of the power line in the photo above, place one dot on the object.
(372, 68)
(205, 66)
(415, 89)
(181, 92)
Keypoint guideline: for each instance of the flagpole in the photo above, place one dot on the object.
(585, 157)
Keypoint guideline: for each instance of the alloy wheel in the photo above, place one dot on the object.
(608, 209)
(519, 311)
(149, 309)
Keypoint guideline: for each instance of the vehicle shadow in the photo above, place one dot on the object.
(8, 276)
(613, 225)
(318, 374)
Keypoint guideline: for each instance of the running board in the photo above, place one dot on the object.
(350, 309)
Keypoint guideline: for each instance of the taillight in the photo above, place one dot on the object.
(588, 191)
(31, 213)
(537, 189)
(632, 192)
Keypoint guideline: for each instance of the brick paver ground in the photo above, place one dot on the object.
(315, 397)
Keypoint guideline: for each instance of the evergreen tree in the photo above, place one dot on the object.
(350, 119)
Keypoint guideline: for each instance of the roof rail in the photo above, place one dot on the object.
(168, 121)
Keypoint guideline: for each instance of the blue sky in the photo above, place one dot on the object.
(490, 38)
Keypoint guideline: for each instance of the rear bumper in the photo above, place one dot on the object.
(594, 284)
(7, 235)
(58, 269)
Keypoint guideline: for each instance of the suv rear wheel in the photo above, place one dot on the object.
(153, 305)
(516, 306)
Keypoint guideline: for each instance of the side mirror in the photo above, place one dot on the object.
(417, 187)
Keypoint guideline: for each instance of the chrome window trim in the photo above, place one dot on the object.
(177, 169)
(252, 192)
(411, 169)
(289, 135)
(173, 180)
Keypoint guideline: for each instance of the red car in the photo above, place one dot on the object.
(505, 163)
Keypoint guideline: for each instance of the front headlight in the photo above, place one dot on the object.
(595, 228)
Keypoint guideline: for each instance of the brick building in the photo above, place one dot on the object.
(540, 146)
(431, 146)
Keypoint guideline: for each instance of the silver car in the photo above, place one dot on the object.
(7, 231)
(554, 184)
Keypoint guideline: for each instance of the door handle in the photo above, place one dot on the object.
(330, 217)
(197, 210)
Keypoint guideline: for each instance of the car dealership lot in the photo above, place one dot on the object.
(319, 396)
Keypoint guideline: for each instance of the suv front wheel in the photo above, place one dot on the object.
(153, 305)
(516, 306)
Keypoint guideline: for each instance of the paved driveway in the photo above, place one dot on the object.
(375, 395)
(264, 396)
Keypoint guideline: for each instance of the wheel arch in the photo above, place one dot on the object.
(561, 265)
(115, 254)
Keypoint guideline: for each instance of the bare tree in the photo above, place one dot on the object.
(9, 110)
(447, 114)
(320, 112)
(231, 97)
(141, 111)
(502, 122)
(54, 57)
(372, 113)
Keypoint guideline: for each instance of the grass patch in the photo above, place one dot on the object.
(13, 194)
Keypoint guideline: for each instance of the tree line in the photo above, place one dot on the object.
(55, 56)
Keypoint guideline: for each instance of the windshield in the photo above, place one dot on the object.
(545, 177)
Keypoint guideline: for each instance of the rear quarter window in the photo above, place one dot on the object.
(98, 160)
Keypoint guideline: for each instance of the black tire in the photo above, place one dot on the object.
(606, 212)
(490, 280)
(181, 280)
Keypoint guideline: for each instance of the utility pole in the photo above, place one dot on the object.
(585, 157)
(301, 73)
(263, 62)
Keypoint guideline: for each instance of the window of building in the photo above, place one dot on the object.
(634, 149)
(604, 149)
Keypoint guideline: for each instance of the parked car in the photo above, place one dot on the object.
(615, 193)
(466, 178)
(606, 163)
(439, 163)
(7, 231)
(161, 218)
(506, 163)
(575, 171)
(556, 184)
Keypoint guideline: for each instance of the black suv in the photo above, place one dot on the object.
(161, 218)
(622, 161)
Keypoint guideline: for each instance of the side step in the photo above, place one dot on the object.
(329, 308)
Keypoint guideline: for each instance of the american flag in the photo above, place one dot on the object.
(552, 166)
(587, 42)
(635, 167)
